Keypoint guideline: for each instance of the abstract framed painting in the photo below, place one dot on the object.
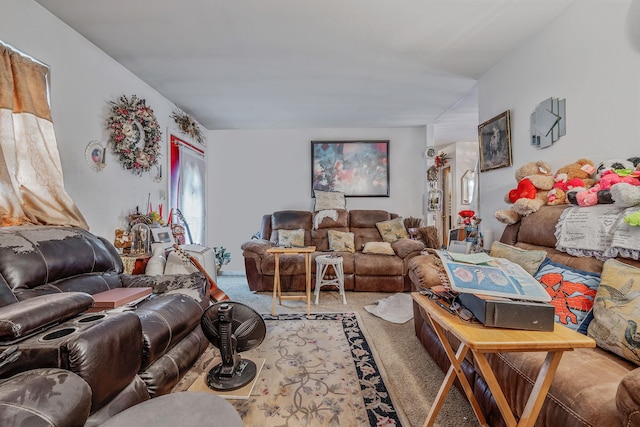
(355, 168)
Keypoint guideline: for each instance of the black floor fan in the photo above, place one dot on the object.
(232, 327)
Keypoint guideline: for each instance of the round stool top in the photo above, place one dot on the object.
(187, 408)
(329, 259)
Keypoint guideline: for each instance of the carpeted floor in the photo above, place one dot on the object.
(412, 378)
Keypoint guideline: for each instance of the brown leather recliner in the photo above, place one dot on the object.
(47, 277)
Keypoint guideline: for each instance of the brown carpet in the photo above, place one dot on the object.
(413, 379)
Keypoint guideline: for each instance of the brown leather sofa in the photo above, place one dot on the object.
(362, 272)
(47, 277)
(592, 387)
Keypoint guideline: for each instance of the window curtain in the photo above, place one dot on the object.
(191, 200)
(31, 182)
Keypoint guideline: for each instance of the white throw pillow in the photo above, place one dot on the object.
(329, 200)
(379, 248)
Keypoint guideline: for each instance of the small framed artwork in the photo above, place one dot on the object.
(494, 137)
(163, 235)
(355, 168)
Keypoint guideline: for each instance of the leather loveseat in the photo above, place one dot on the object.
(592, 387)
(47, 277)
(362, 271)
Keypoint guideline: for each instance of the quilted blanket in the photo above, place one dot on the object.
(598, 231)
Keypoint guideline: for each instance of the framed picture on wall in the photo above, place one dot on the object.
(494, 137)
(163, 235)
(355, 168)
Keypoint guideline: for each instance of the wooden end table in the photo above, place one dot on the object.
(483, 340)
(276, 251)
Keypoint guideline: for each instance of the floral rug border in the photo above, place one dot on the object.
(379, 406)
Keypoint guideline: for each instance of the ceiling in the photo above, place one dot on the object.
(284, 64)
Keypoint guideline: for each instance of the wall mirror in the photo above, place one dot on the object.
(468, 186)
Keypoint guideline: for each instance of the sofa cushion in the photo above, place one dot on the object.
(392, 230)
(572, 292)
(583, 388)
(291, 238)
(628, 399)
(614, 325)
(403, 247)
(329, 200)
(377, 265)
(380, 248)
(341, 241)
(529, 260)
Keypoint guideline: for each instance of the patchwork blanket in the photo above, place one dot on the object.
(598, 231)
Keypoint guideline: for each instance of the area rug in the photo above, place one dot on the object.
(319, 371)
(398, 308)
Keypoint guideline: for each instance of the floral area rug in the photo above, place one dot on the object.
(319, 371)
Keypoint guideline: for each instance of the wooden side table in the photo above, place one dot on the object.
(276, 251)
(482, 340)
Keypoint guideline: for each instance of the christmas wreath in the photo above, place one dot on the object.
(131, 122)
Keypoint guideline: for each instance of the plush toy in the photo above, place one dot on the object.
(534, 181)
(573, 175)
(615, 164)
(627, 195)
(600, 193)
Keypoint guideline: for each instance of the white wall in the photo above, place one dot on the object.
(83, 80)
(585, 56)
(252, 173)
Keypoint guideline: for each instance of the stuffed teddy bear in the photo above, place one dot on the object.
(573, 175)
(534, 181)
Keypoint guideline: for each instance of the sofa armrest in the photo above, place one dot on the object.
(256, 246)
(628, 399)
(194, 285)
(406, 247)
(23, 318)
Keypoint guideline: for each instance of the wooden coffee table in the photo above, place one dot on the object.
(483, 340)
(276, 251)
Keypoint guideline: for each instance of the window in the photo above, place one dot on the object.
(187, 187)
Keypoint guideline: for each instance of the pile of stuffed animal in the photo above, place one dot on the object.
(615, 181)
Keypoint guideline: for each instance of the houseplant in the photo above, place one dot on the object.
(223, 257)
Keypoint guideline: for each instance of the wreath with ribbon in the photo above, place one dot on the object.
(135, 133)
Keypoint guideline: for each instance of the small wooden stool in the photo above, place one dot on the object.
(322, 265)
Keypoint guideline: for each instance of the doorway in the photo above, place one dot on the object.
(447, 199)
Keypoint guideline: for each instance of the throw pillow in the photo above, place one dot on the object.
(329, 200)
(615, 311)
(392, 230)
(572, 292)
(379, 248)
(341, 241)
(529, 260)
(291, 238)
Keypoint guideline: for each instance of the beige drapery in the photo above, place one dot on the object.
(31, 182)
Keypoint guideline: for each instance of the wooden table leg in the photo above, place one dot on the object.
(307, 262)
(455, 370)
(538, 393)
(540, 388)
(276, 284)
(494, 386)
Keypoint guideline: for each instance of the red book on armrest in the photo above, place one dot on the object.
(117, 297)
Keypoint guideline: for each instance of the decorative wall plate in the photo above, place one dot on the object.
(430, 152)
(94, 154)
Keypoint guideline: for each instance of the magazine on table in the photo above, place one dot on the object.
(498, 277)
